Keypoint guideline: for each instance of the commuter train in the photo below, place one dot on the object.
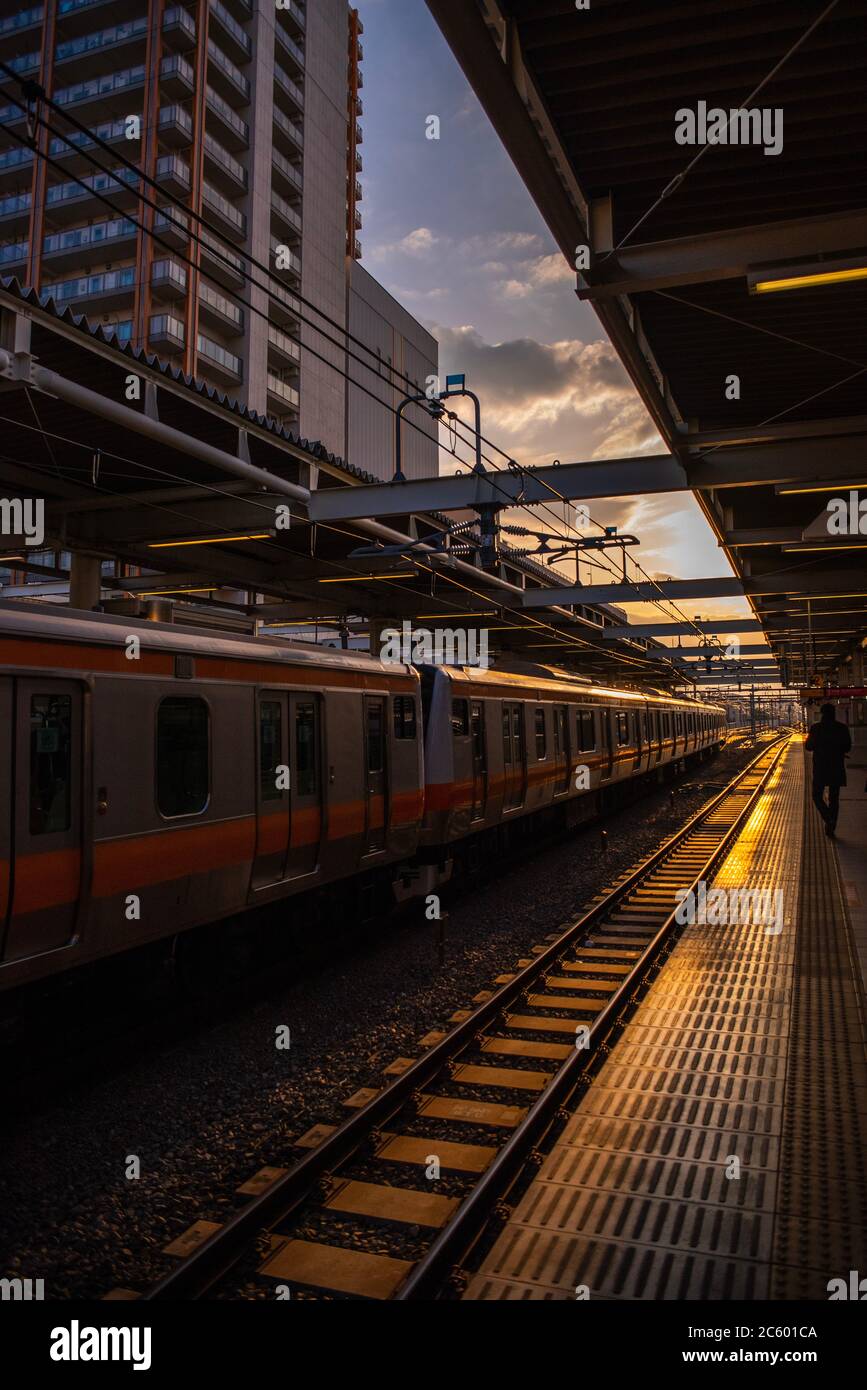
(154, 778)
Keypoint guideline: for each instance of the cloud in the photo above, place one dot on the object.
(419, 242)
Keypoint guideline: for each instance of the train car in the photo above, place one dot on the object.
(502, 747)
(155, 778)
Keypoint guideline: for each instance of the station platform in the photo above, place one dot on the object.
(720, 1152)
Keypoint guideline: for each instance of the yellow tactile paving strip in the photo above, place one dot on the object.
(638, 1198)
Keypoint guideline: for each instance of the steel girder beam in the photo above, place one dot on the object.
(819, 583)
(668, 629)
(779, 429)
(721, 255)
(655, 473)
(739, 466)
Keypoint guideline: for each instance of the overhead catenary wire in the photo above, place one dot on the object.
(34, 91)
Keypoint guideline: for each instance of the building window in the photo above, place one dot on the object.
(541, 739)
(50, 764)
(182, 757)
(404, 717)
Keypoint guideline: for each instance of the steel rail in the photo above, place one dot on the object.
(207, 1264)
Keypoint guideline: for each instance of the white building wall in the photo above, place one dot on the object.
(400, 345)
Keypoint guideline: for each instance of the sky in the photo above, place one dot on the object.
(450, 230)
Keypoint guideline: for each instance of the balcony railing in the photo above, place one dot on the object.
(11, 159)
(222, 157)
(214, 352)
(232, 119)
(179, 18)
(25, 62)
(289, 128)
(219, 204)
(286, 211)
(22, 20)
(167, 274)
(221, 305)
(108, 131)
(168, 329)
(86, 286)
(97, 233)
(231, 26)
(289, 261)
(13, 252)
(283, 390)
(290, 46)
(15, 202)
(282, 343)
(103, 38)
(171, 166)
(289, 171)
(106, 85)
(118, 181)
(228, 68)
(288, 85)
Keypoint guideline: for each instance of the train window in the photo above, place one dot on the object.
(478, 726)
(561, 731)
(622, 725)
(584, 726)
(678, 722)
(518, 734)
(270, 747)
(50, 763)
(182, 756)
(541, 739)
(305, 745)
(460, 718)
(404, 717)
(507, 738)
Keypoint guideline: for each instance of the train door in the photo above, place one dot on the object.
(375, 773)
(638, 724)
(44, 882)
(606, 743)
(480, 759)
(305, 830)
(561, 749)
(514, 755)
(273, 789)
(7, 782)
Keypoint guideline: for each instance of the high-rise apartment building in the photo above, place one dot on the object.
(248, 114)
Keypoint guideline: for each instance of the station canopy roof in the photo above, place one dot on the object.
(688, 244)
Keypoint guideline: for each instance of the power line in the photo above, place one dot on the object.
(32, 89)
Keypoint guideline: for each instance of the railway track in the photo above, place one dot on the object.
(388, 1204)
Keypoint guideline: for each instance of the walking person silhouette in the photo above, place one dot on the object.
(829, 742)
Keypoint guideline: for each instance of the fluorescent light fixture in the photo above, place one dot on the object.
(784, 490)
(491, 614)
(364, 578)
(773, 279)
(160, 593)
(209, 540)
(811, 549)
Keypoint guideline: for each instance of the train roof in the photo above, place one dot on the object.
(554, 681)
(108, 629)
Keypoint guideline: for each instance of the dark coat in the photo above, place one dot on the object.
(829, 742)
